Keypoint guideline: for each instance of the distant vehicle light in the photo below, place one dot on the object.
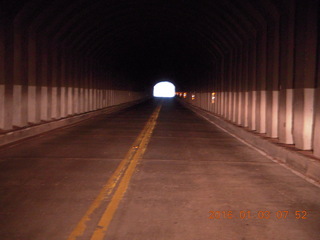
(213, 97)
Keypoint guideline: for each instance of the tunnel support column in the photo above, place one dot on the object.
(252, 85)
(305, 73)
(54, 87)
(7, 76)
(261, 82)
(2, 73)
(286, 75)
(316, 130)
(19, 76)
(32, 86)
(272, 79)
(316, 137)
(43, 75)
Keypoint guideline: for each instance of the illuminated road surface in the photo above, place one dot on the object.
(194, 182)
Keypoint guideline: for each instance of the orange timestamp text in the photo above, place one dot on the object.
(263, 214)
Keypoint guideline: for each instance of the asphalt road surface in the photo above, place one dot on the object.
(153, 172)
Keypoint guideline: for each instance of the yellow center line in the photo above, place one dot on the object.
(108, 188)
(107, 216)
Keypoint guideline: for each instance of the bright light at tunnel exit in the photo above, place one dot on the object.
(164, 89)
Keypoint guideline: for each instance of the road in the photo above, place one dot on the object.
(156, 172)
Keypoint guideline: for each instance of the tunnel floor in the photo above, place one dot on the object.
(194, 182)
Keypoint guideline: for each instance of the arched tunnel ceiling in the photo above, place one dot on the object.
(144, 39)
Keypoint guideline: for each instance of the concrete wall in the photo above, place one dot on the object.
(269, 83)
(46, 76)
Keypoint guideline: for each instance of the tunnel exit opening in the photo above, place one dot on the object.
(164, 89)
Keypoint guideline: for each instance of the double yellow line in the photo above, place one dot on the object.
(121, 178)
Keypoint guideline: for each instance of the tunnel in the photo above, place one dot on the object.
(247, 68)
(164, 89)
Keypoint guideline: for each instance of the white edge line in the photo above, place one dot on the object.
(310, 180)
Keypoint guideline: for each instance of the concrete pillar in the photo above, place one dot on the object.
(93, 89)
(76, 98)
(7, 73)
(20, 89)
(49, 80)
(74, 84)
(252, 84)
(112, 98)
(32, 78)
(97, 87)
(286, 75)
(88, 86)
(244, 87)
(43, 79)
(59, 80)
(222, 87)
(238, 79)
(272, 81)
(316, 130)
(316, 133)
(2, 74)
(112, 93)
(80, 91)
(62, 86)
(208, 99)
(205, 100)
(230, 76)
(222, 103)
(81, 71)
(104, 91)
(233, 89)
(306, 35)
(229, 111)
(261, 81)
(85, 87)
(226, 87)
(54, 82)
(89, 99)
(101, 89)
(69, 85)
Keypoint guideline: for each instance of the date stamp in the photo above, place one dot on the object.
(263, 214)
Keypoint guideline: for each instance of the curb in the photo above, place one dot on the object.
(307, 166)
(32, 131)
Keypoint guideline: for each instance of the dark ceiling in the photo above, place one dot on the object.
(149, 39)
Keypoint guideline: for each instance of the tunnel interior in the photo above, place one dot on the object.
(260, 60)
(137, 40)
(83, 144)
